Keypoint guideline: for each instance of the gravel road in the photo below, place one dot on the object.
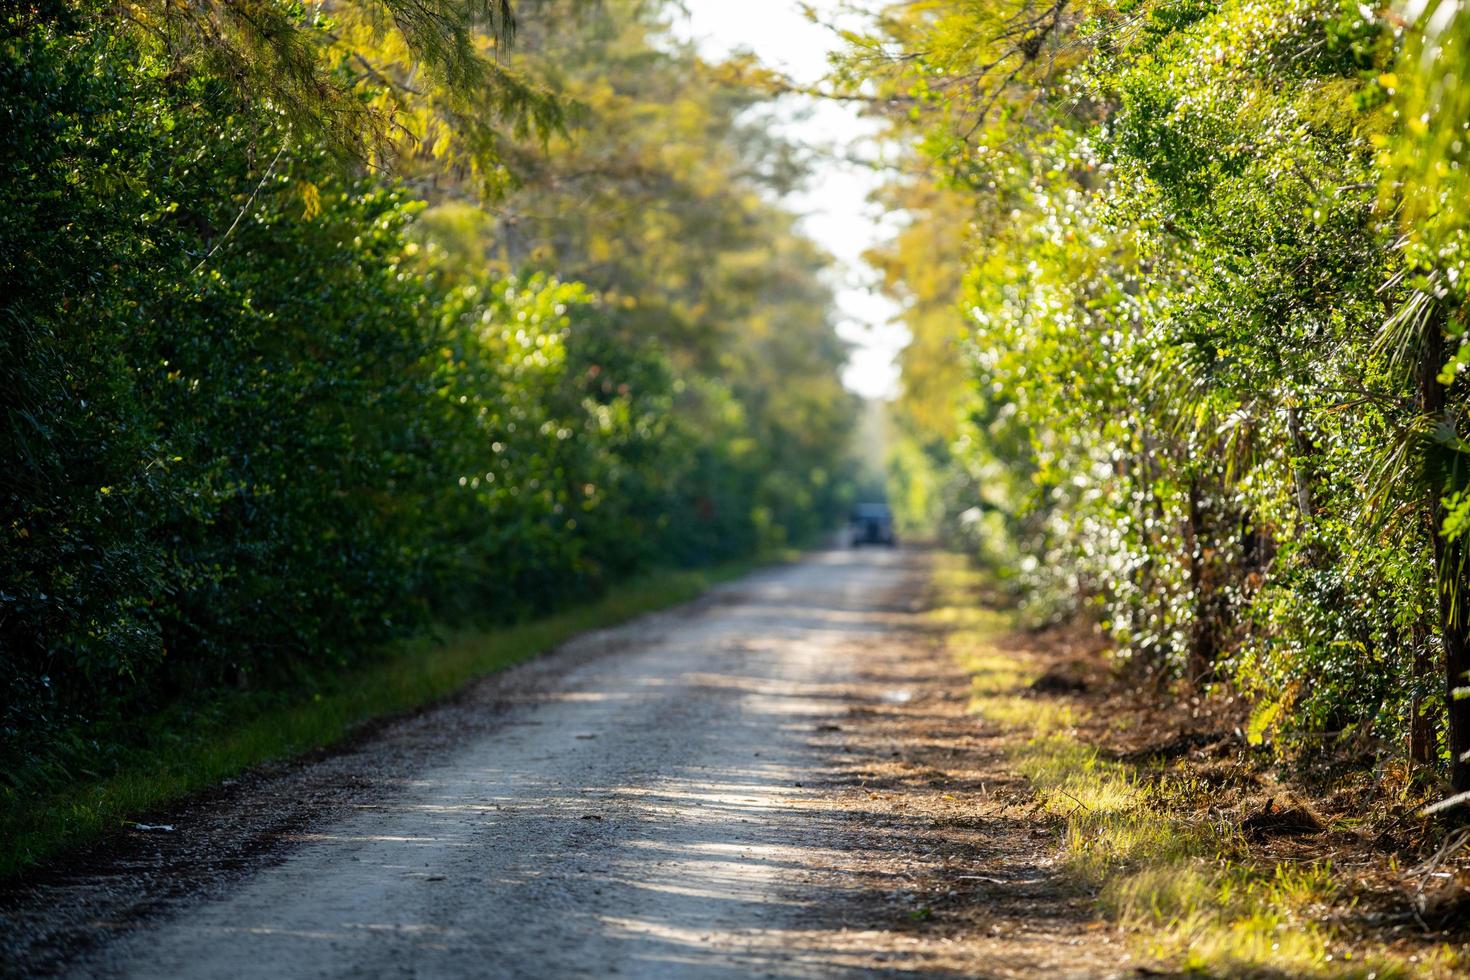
(646, 802)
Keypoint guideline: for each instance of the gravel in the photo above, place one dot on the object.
(645, 801)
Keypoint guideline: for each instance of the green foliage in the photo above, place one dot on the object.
(376, 81)
(262, 415)
(1213, 380)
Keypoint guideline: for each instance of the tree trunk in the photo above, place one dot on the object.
(1301, 448)
(1453, 590)
(1453, 595)
(1423, 734)
(1202, 633)
(1152, 504)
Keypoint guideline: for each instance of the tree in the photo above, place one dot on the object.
(1425, 170)
(1175, 317)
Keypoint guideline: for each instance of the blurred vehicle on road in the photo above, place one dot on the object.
(871, 523)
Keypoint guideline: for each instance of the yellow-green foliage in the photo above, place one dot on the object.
(1200, 255)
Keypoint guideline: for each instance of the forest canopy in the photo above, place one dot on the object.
(294, 364)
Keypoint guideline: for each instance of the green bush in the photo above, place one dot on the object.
(256, 423)
(1214, 317)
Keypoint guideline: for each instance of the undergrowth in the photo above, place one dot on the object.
(1185, 885)
(64, 806)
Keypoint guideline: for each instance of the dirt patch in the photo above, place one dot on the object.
(962, 859)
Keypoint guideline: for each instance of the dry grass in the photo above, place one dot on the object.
(1183, 882)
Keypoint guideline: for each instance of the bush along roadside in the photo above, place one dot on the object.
(1212, 857)
(265, 413)
(1207, 285)
(110, 777)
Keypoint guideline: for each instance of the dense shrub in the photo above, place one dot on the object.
(257, 421)
(1212, 334)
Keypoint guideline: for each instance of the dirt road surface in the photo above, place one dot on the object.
(774, 781)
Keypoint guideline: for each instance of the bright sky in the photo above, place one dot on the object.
(837, 213)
